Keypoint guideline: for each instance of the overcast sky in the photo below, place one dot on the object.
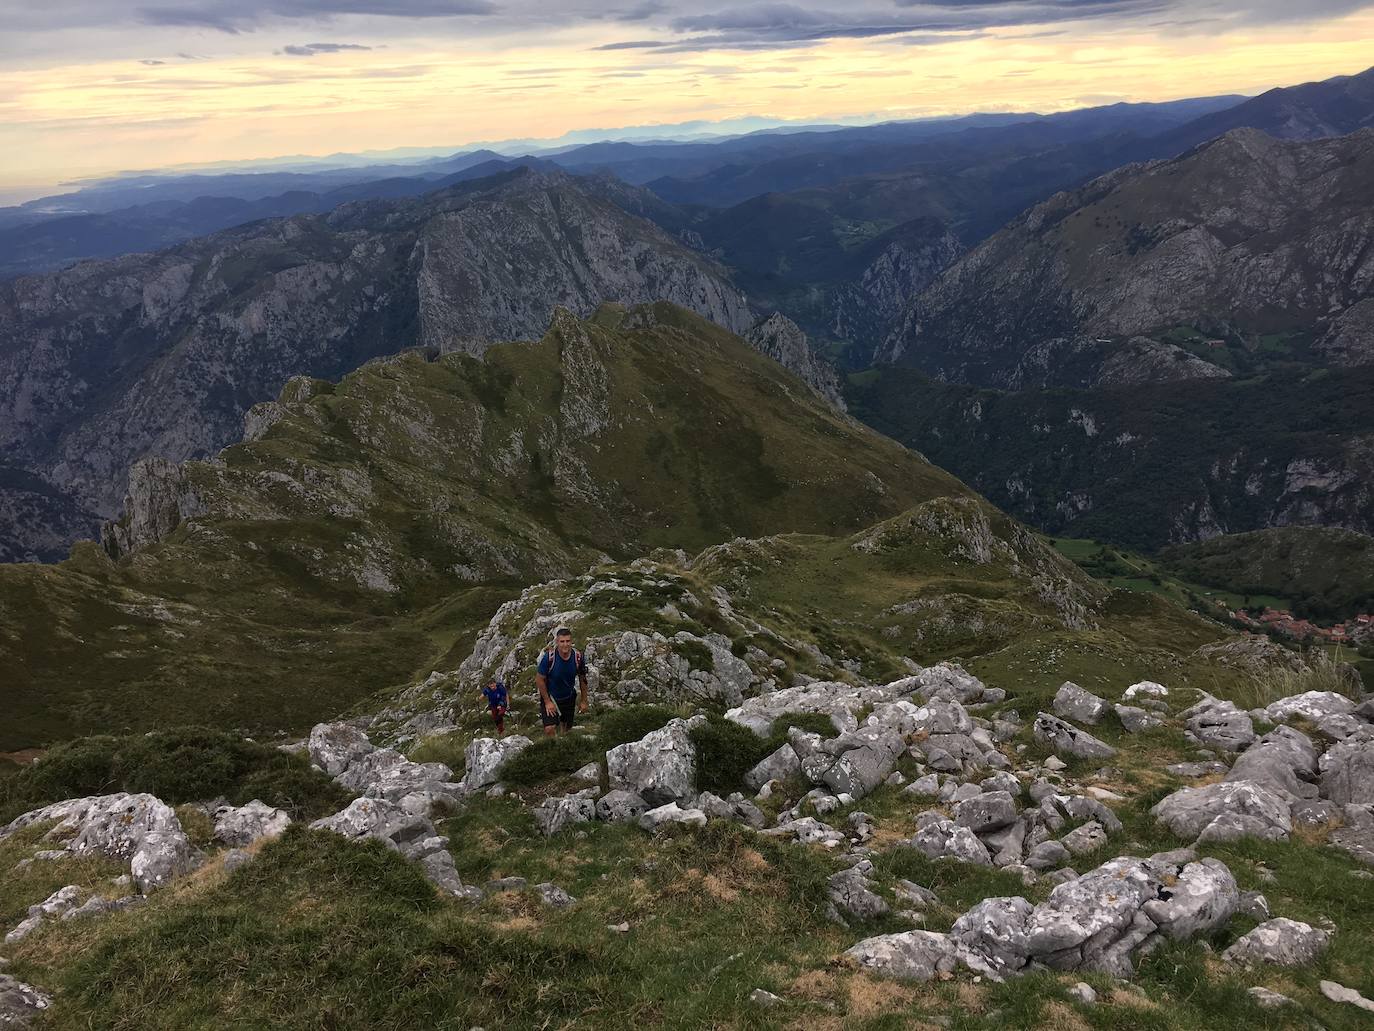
(93, 86)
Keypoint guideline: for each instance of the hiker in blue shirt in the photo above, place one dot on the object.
(497, 704)
(561, 669)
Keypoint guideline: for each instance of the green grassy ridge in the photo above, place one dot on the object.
(372, 530)
(1130, 571)
(1327, 572)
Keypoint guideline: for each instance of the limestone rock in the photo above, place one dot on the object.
(1220, 725)
(989, 811)
(779, 765)
(946, 839)
(672, 813)
(1203, 898)
(1281, 942)
(619, 806)
(851, 893)
(1135, 720)
(1071, 702)
(20, 1003)
(1310, 706)
(1068, 740)
(554, 814)
(1189, 811)
(660, 767)
(334, 747)
(1347, 773)
(240, 827)
(138, 828)
(996, 929)
(485, 756)
(1337, 992)
(909, 956)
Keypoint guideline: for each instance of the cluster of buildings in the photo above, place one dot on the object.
(1353, 631)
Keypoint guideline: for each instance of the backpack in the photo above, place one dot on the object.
(552, 652)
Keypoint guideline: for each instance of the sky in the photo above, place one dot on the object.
(91, 87)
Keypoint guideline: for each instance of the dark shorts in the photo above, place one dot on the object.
(566, 713)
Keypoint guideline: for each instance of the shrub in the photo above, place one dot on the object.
(630, 723)
(812, 722)
(725, 753)
(551, 757)
(188, 764)
(696, 653)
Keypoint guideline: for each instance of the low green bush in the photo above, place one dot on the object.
(549, 758)
(812, 722)
(630, 723)
(186, 764)
(726, 751)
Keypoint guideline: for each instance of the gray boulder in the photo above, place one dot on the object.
(1280, 942)
(1356, 838)
(20, 1003)
(137, 828)
(863, 759)
(909, 956)
(1094, 922)
(553, 896)
(1284, 760)
(661, 767)
(1311, 706)
(947, 682)
(620, 806)
(1219, 725)
(367, 768)
(996, 930)
(239, 827)
(1083, 840)
(485, 756)
(334, 747)
(1145, 689)
(1189, 811)
(1203, 898)
(945, 839)
(1136, 720)
(1073, 703)
(554, 814)
(672, 813)
(852, 896)
(989, 811)
(1234, 826)
(1347, 773)
(55, 905)
(1068, 740)
(780, 765)
(1047, 855)
(1337, 992)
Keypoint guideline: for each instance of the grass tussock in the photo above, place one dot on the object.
(1322, 671)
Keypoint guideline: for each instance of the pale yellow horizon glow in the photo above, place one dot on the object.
(70, 121)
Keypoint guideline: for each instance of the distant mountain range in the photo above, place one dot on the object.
(162, 354)
(991, 251)
(1244, 249)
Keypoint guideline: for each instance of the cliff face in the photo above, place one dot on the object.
(1247, 239)
(161, 355)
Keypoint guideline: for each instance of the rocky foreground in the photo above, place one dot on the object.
(985, 785)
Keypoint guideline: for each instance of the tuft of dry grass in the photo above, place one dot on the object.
(1323, 671)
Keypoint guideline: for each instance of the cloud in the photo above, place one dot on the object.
(234, 16)
(780, 25)
(312, 49)
(150, 62)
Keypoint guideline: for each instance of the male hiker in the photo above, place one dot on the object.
(561, 668)
(497, 704)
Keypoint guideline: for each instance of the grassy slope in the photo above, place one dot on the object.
(378, 524)
(1329, 573)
